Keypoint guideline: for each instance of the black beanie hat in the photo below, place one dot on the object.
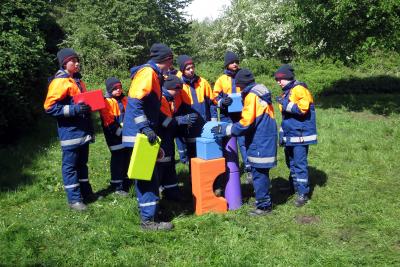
(160, 52)
(184, 60)
(111, 83)
(66, 54)
(172, 82)
(244, 77)
(229, 58)
(285, 72)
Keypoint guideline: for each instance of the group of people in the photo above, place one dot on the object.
(166, 103)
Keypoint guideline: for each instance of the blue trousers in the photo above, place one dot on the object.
(75, 173)
(168, 180)
(296, 160)
(261, 183)
(119, 167)
(181, 150)
(243, 152)
(147, 195)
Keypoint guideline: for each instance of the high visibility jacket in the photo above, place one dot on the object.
(73, 129)
(112, 117)
(143, 106)
(197, 94)
(168, 130)
(225, 85)
(298, 115)
(258, 125)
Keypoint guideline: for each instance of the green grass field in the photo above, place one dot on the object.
(352, 218)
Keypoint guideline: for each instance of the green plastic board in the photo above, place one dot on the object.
(143, 158)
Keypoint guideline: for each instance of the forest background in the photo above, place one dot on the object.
(112, 36)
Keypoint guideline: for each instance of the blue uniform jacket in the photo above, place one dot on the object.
(74, 130)
(258, 125)
(144, 98)
(298, 115)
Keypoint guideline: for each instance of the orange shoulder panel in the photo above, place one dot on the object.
(302, 97)
(143, 83)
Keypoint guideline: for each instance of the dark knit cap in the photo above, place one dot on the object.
(160, 52)
(111, 83)
(285, 72)
(244, 77)
(230, 57)
(184, 60)
(65, 55)
(172, 82)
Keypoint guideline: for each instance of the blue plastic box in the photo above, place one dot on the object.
(236, 105)
(208, 148)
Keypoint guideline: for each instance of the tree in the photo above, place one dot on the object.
(346, 29)
(117, 34)
(24, 64)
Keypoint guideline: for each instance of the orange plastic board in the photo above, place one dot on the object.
(204, 173)
(93, 98)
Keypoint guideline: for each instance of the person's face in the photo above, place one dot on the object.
(166, 65)
(172, 92)
(189, 70)
(117, 91)
(72, 66)
(282, 82)
(234, 66)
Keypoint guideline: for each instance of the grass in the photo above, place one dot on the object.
(352, 218)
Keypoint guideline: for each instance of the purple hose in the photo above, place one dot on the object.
(233, 193)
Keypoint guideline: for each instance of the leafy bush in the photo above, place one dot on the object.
(23, 64)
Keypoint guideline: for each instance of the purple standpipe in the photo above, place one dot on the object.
(233, 193)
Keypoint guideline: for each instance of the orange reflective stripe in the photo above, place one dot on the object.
(60, 88)
(301, 97)
(145, 81)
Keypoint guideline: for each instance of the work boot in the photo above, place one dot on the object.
(121, 193)
(156, 226)
(261, 212)
(301, 200)
(78, 206)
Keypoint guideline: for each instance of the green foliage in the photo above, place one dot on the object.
(249, 28)
(24, 63)
(118, 34)
(347, 30)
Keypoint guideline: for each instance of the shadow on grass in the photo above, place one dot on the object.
(18, 156)
(172, 209)
(280, 192)
(378, 94)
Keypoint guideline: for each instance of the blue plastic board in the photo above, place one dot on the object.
(236, 105)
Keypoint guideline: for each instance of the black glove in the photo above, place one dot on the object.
(82, 108)
(188, 119)
(193, 118)
(226, 101)
(218, 131)
(151, 135)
